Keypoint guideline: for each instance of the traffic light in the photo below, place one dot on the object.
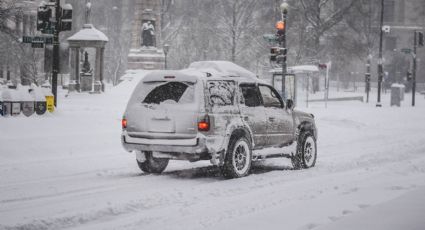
(280, 34)
(274, 51)
(280, 26)
(408, 76)
(420, 39)
(44, 14)
(367, 80)
(322, 66)
(282, 55)
(66, 18)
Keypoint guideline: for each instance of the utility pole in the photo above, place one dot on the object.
(380, 60)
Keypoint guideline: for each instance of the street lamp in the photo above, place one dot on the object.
(284, 9)
(166, 48)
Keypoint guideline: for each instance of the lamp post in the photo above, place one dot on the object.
(166, 49)
(284, 9)
(380, 61)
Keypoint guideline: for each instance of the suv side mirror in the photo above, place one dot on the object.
(290, 104)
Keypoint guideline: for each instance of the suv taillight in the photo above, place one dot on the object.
(124, 123)
(204, 124)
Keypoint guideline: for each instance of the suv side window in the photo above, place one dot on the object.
(221, 93)
(250, 95)
(270, 97)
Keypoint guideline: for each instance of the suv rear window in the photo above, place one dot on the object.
(221, 93)
(177, 92)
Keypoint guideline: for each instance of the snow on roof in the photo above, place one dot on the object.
(223, 67)
(88, 33)
(303, 69)
(133, 74)
(398, 85)
(180, 75)
(67, 6)
(298, 69)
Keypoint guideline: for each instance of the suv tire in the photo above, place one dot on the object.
(306, 154)
(238, 158)
(152, 164)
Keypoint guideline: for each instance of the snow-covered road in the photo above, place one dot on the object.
(68, 170)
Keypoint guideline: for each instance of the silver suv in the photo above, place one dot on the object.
(214, 111)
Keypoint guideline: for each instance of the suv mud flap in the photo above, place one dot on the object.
(217, 158)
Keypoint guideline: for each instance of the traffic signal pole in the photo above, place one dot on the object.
(380, 61)
(55, 66)
(284, 65)
(415, 46)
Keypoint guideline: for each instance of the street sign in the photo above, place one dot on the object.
(270, 37)
(37, 39)
(37, 45)
(406, 50)
(26, 39)
(48, 40)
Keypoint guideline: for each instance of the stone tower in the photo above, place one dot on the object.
(145, 52)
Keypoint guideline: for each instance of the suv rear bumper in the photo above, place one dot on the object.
(194, 147)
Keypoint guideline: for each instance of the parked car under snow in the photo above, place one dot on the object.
(216, 111)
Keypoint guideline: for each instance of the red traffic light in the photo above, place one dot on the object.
(323, 66)
(280, 25)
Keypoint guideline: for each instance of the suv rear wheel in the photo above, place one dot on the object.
(306, 154)
(238, 158)
(152, 164)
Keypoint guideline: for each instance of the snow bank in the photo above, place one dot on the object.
(37, 93)
(10, 95)
(24, 94)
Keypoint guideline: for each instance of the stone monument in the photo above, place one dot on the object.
(146, 36)
(86, 75)
(88, 37)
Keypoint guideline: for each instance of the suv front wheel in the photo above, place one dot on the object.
(238, 158)
(152, 164)
(306, 154)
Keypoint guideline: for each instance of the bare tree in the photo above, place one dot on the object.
(15, 55)
(319, 17)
